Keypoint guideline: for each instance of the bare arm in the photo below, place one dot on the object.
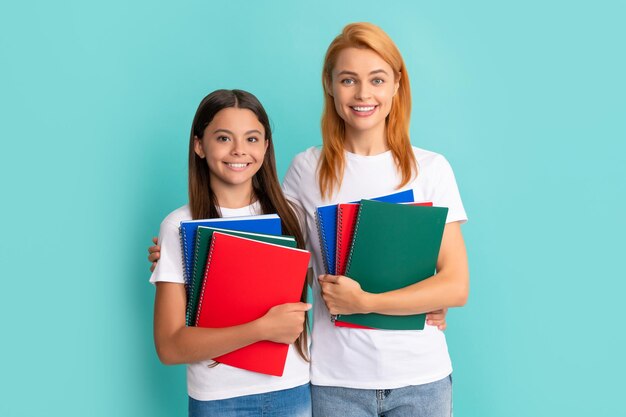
(176, 343)
(448, 288)
(434, 318)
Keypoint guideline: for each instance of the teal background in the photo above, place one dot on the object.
(526, 100)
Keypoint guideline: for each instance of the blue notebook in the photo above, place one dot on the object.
(327, 226)
(265, 223)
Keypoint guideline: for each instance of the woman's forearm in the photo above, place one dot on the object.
(428, 295)
(448, 288)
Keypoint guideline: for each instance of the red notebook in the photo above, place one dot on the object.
(243, 279)
(346, 220)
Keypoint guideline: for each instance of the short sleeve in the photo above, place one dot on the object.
(446, 192)
(170, 265)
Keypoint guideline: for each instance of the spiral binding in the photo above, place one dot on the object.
(183, 239)
(339, 267)
(340, 242)
(320, 234)
(206, 273)
(190, 294)
(354, 235)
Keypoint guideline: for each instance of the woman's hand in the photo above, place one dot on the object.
(449, 287)
(283, 323)
(437, 318)
(154, 253)
(343, 295)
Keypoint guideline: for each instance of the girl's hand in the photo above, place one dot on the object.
(437, 318)
(154, 253)
(343, 295)
(284, 323)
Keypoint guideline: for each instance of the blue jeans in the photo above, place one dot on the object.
(293, 402)
(427, 400)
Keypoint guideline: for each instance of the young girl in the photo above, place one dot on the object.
(366, 153)
(232, 172)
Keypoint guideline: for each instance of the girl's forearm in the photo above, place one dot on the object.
(176, 343)
(194, 344)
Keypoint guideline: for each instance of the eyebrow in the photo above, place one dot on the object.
(231, 133)
(346, 72)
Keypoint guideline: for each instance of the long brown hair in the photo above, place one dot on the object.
(332, 162)
(266, 187)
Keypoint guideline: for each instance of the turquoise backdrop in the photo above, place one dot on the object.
(526, 100)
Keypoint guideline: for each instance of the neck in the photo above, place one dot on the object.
(233, 196)
(366, 142)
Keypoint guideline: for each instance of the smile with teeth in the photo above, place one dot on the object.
(237, 165)
(363, 109)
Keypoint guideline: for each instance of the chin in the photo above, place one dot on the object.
(366, 125)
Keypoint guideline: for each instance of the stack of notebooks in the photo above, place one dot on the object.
(384, 246)
(232, 278)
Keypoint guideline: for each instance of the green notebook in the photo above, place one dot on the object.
(394, 245)
(203, 241)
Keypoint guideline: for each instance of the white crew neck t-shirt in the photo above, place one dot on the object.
(372, 359)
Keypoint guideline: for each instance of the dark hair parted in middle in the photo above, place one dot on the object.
(266, 187)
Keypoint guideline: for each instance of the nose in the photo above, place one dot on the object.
(362, 92)
(239, 147)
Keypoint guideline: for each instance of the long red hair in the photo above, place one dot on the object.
(332, 162)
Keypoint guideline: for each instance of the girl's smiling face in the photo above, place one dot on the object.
(234, 146)
(363, 86)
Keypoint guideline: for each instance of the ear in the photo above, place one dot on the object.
(328, 87)
(267, 143)
(197, 147)
(396, 86)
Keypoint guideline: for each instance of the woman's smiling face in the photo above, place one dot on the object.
(363, 86)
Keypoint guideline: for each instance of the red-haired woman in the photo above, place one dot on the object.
(366, 152)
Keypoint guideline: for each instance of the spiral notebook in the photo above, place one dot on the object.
(326, 217)
(346, 220)
(394, 245)
(347, 215)
(243, 279)
(203, 240)
(265, 223)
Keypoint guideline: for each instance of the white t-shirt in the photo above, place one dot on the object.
(221, 381)
(372, 359)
